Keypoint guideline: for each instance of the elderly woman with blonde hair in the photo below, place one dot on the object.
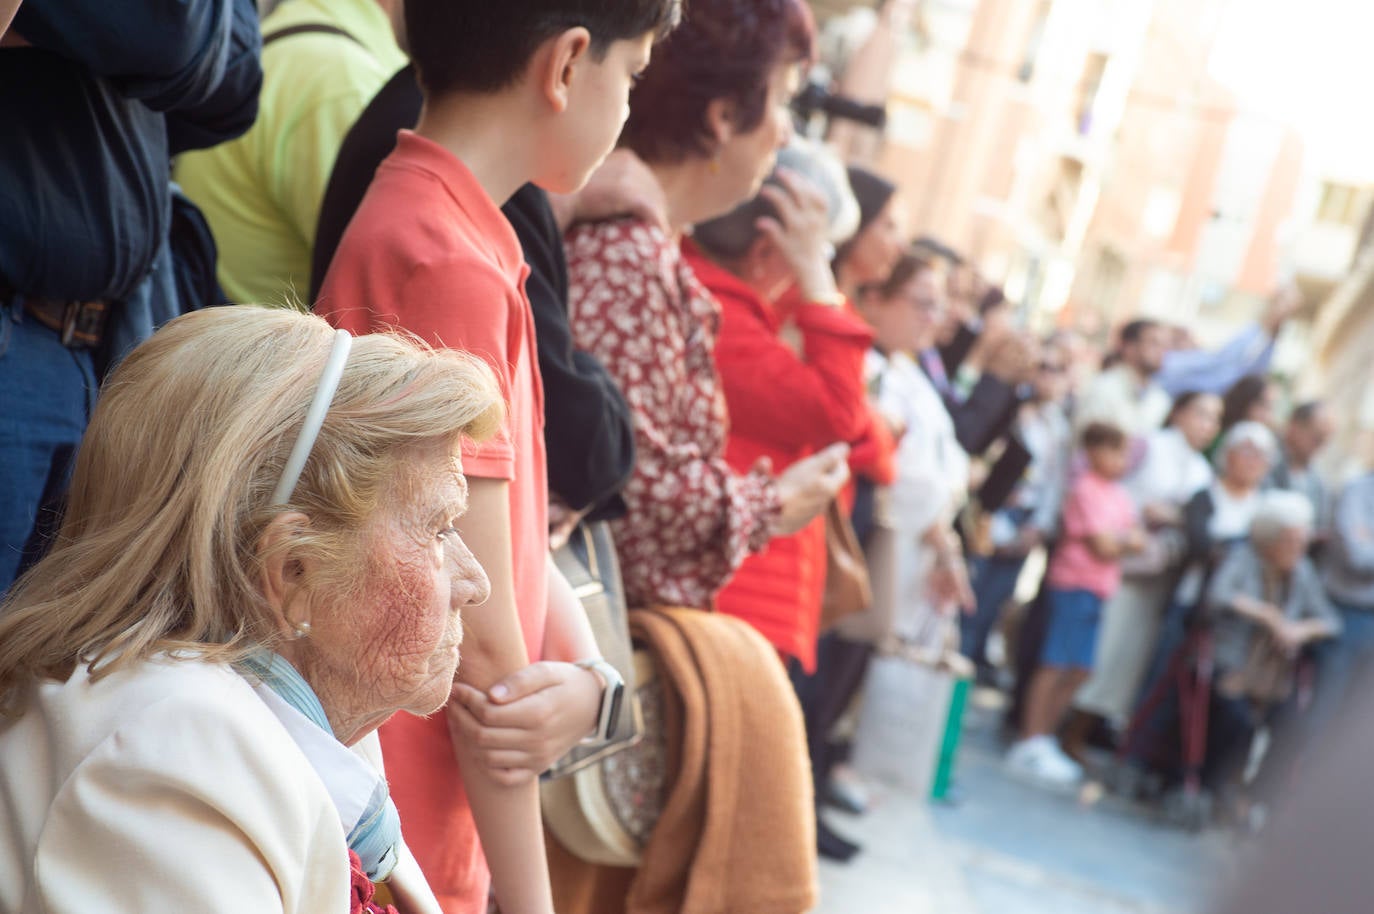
(257, 567)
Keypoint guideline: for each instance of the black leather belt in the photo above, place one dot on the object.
(79, 324)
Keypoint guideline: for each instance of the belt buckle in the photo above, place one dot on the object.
(69, 321)
(82, 324)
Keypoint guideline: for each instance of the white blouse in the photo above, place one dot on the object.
(1170, 473)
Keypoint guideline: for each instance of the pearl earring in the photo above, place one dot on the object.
(302, 629)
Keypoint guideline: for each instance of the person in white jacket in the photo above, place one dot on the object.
(257, 567)
(932, 468)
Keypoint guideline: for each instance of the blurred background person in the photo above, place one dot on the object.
(1030, 517)
(1101, 527)
(869, 255)
(1215, 521)
(1305, 434)
(1266, 606)
(1173, 469)
(1254, 398)
(1348, 571)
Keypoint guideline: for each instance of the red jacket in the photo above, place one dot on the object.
(784, 407)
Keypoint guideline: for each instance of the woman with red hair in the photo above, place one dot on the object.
(708, 117)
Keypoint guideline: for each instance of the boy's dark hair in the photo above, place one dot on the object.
(485, 45)
(1102, 435)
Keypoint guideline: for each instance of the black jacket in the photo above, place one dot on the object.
(93, 112)
(587, 426)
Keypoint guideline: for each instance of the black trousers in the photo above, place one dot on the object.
(841, 666)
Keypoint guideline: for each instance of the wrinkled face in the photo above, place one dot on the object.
(1284, 552)
(745, 160)
(1200, 421)
(392, 643)
(874, 252)
(598, 106)
(1246, 466)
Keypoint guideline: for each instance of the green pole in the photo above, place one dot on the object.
(949, 743)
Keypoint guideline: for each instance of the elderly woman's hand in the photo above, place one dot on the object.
(527, 721)
(1289, 636)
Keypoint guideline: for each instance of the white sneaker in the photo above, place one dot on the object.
(1039, 759)
(1063, 759)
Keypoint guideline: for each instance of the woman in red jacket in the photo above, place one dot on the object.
(790, 357)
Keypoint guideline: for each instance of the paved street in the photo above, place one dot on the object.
(1009, 848)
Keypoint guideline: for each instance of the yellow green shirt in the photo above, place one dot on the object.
(261, 193)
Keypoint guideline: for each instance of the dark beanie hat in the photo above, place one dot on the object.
(872, 191)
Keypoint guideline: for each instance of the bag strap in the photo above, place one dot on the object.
(306, 28)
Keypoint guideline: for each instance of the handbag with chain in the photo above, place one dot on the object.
(601, 802)
(588, 561)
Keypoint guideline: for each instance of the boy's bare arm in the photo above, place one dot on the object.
(507, 815)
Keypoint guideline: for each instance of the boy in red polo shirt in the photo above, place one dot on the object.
(514, 93)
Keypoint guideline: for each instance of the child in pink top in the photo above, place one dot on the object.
(1100, 526)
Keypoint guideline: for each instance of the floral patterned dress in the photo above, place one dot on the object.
(637, 306)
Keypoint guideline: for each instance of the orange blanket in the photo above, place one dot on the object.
(737, 832)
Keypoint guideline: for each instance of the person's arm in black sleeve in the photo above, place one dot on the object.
(171, 56)
(232, 107)
(588, 430)
(985, 415)
(956, 350)
(395, 107)
(1197, 516)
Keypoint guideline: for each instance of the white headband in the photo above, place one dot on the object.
(314, 417)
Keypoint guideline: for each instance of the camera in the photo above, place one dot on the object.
(815, 99)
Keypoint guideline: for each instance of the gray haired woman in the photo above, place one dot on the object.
(1266, 604)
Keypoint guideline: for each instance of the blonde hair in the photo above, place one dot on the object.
(159, 548)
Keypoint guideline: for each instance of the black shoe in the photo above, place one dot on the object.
(831, 846)
(843, 800)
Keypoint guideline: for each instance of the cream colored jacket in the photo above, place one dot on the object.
(168, 787)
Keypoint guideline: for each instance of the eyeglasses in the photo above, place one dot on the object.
(924, 303)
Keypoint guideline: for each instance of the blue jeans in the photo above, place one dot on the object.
(47, 392)
(994, 582)
(1342, 663)
(1071, 639)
